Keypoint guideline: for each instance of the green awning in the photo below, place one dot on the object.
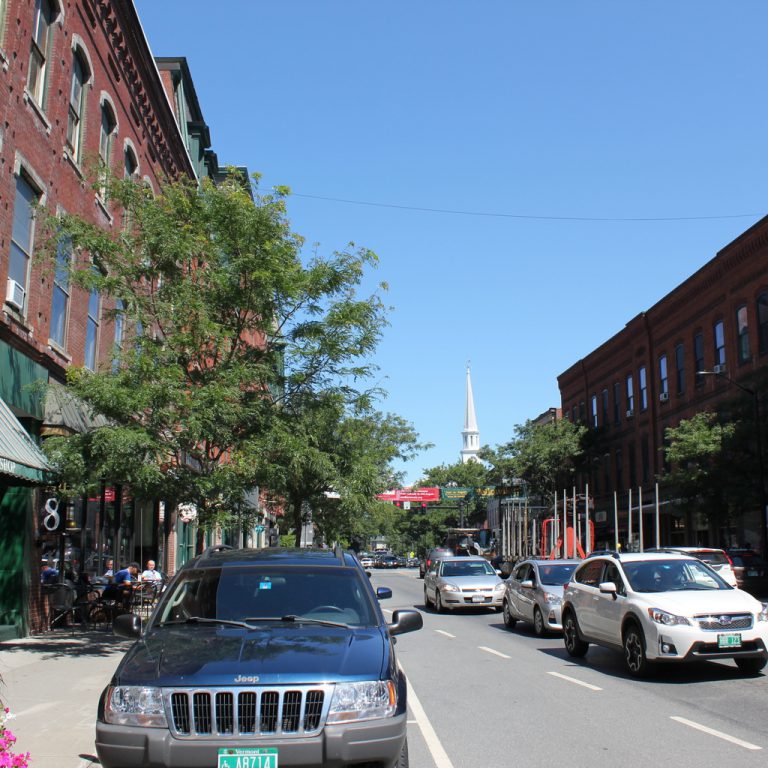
(20, 458)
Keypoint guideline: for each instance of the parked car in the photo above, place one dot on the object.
(432, 557)
(388, 561)
(367, 561)
(662, 607)
(412, 562)
(751, 572)
(716, 559)
(279, 651)
(534, 593)
(463, 582)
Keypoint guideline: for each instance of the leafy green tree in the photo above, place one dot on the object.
(225, 327)
(543, 456)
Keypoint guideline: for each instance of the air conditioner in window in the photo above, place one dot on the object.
(14, 294)
(630, 413)
(664, 396)
(719, 368)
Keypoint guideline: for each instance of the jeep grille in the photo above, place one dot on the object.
(291, 711)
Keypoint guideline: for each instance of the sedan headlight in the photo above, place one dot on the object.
(449, 588)
(368, 700)
(668, 619)
(551, 597)
(135, 705)
(763, 615)
(499, 587)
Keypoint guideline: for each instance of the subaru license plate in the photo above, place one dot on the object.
(730, 640)
(264, 757)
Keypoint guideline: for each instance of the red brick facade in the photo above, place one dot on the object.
(717, 317)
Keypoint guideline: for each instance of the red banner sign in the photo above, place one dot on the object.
(410, 494)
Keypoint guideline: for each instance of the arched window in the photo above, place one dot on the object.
(40, 50)
(130, 163)
(762, 323)
(92, 329)
(80, 76)
(742, 333)
(106, 140)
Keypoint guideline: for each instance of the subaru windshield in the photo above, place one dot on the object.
(672, 576)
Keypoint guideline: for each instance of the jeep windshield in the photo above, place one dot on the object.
(672, 576)
(243, 596)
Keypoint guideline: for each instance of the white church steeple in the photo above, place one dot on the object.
(470, 435)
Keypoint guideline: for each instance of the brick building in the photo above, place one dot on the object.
(78, 88)
(645, 379)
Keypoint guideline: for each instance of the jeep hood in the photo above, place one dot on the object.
(278, 654)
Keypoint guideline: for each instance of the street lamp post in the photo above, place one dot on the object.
(753, 393)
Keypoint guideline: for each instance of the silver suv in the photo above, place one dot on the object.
(662, 607)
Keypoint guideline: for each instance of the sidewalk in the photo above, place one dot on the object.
(52, 684)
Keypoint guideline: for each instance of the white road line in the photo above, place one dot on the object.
(443, 632)
(495, 653)
(36, 708)
(439, 754)
(713, 732)
(574, 680)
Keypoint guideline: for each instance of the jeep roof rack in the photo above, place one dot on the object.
(212, 550)
(339, 553)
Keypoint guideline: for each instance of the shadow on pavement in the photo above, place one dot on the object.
(67, 643)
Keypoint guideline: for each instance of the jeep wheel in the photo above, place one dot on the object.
(538, 623)
(750, 666)
(575, 646)
(509, 620)
(634, 652)
(403, 761)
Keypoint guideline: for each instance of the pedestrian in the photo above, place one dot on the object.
(121, 588)
(48, 574)
(110, 566)
(150, 574)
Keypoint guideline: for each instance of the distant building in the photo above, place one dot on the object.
(470, 435)
(646, 378)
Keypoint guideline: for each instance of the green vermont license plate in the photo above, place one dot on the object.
(248, 758)
(731, 640)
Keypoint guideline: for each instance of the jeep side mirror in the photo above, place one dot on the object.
(405, 620)
(128, 625)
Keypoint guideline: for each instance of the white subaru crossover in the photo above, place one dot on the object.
(662, 607)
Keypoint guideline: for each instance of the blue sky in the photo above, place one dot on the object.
(535, 128)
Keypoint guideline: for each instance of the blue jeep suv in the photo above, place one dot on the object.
(259, 659)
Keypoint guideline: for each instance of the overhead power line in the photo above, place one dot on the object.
(523, 216)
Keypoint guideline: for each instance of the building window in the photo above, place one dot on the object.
(131, 164)
(630, 396)
(106, 139)
(41, 49)
(22, 237)
(742, 331)
(80, 75)
(594, 411)
(719, 333)
(680, 369)
(605, 407)
(663, 377)
(698, 356)
(582, 413)
(92, 330)
(60, 301)
(642, 382)
(616, 402)
(606, 471)
(762, 323)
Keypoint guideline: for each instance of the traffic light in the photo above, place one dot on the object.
(398, 504)
(423, 506)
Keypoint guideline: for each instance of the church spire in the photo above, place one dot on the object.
(470, 435)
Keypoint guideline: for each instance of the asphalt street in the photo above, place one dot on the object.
(493, 696)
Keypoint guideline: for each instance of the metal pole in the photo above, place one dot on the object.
(587, 537)
(615, 521)
(658, 527)
(629, 523)
(640, 516)
(574, 539)
(554, 537)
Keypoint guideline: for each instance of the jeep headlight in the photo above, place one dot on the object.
(449, 588)
(135, 705)
(367, 700)
(763, 615)
(668, 619)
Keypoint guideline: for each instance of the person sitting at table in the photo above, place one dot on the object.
(121, 588)
(109, 569)
(150, 574)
